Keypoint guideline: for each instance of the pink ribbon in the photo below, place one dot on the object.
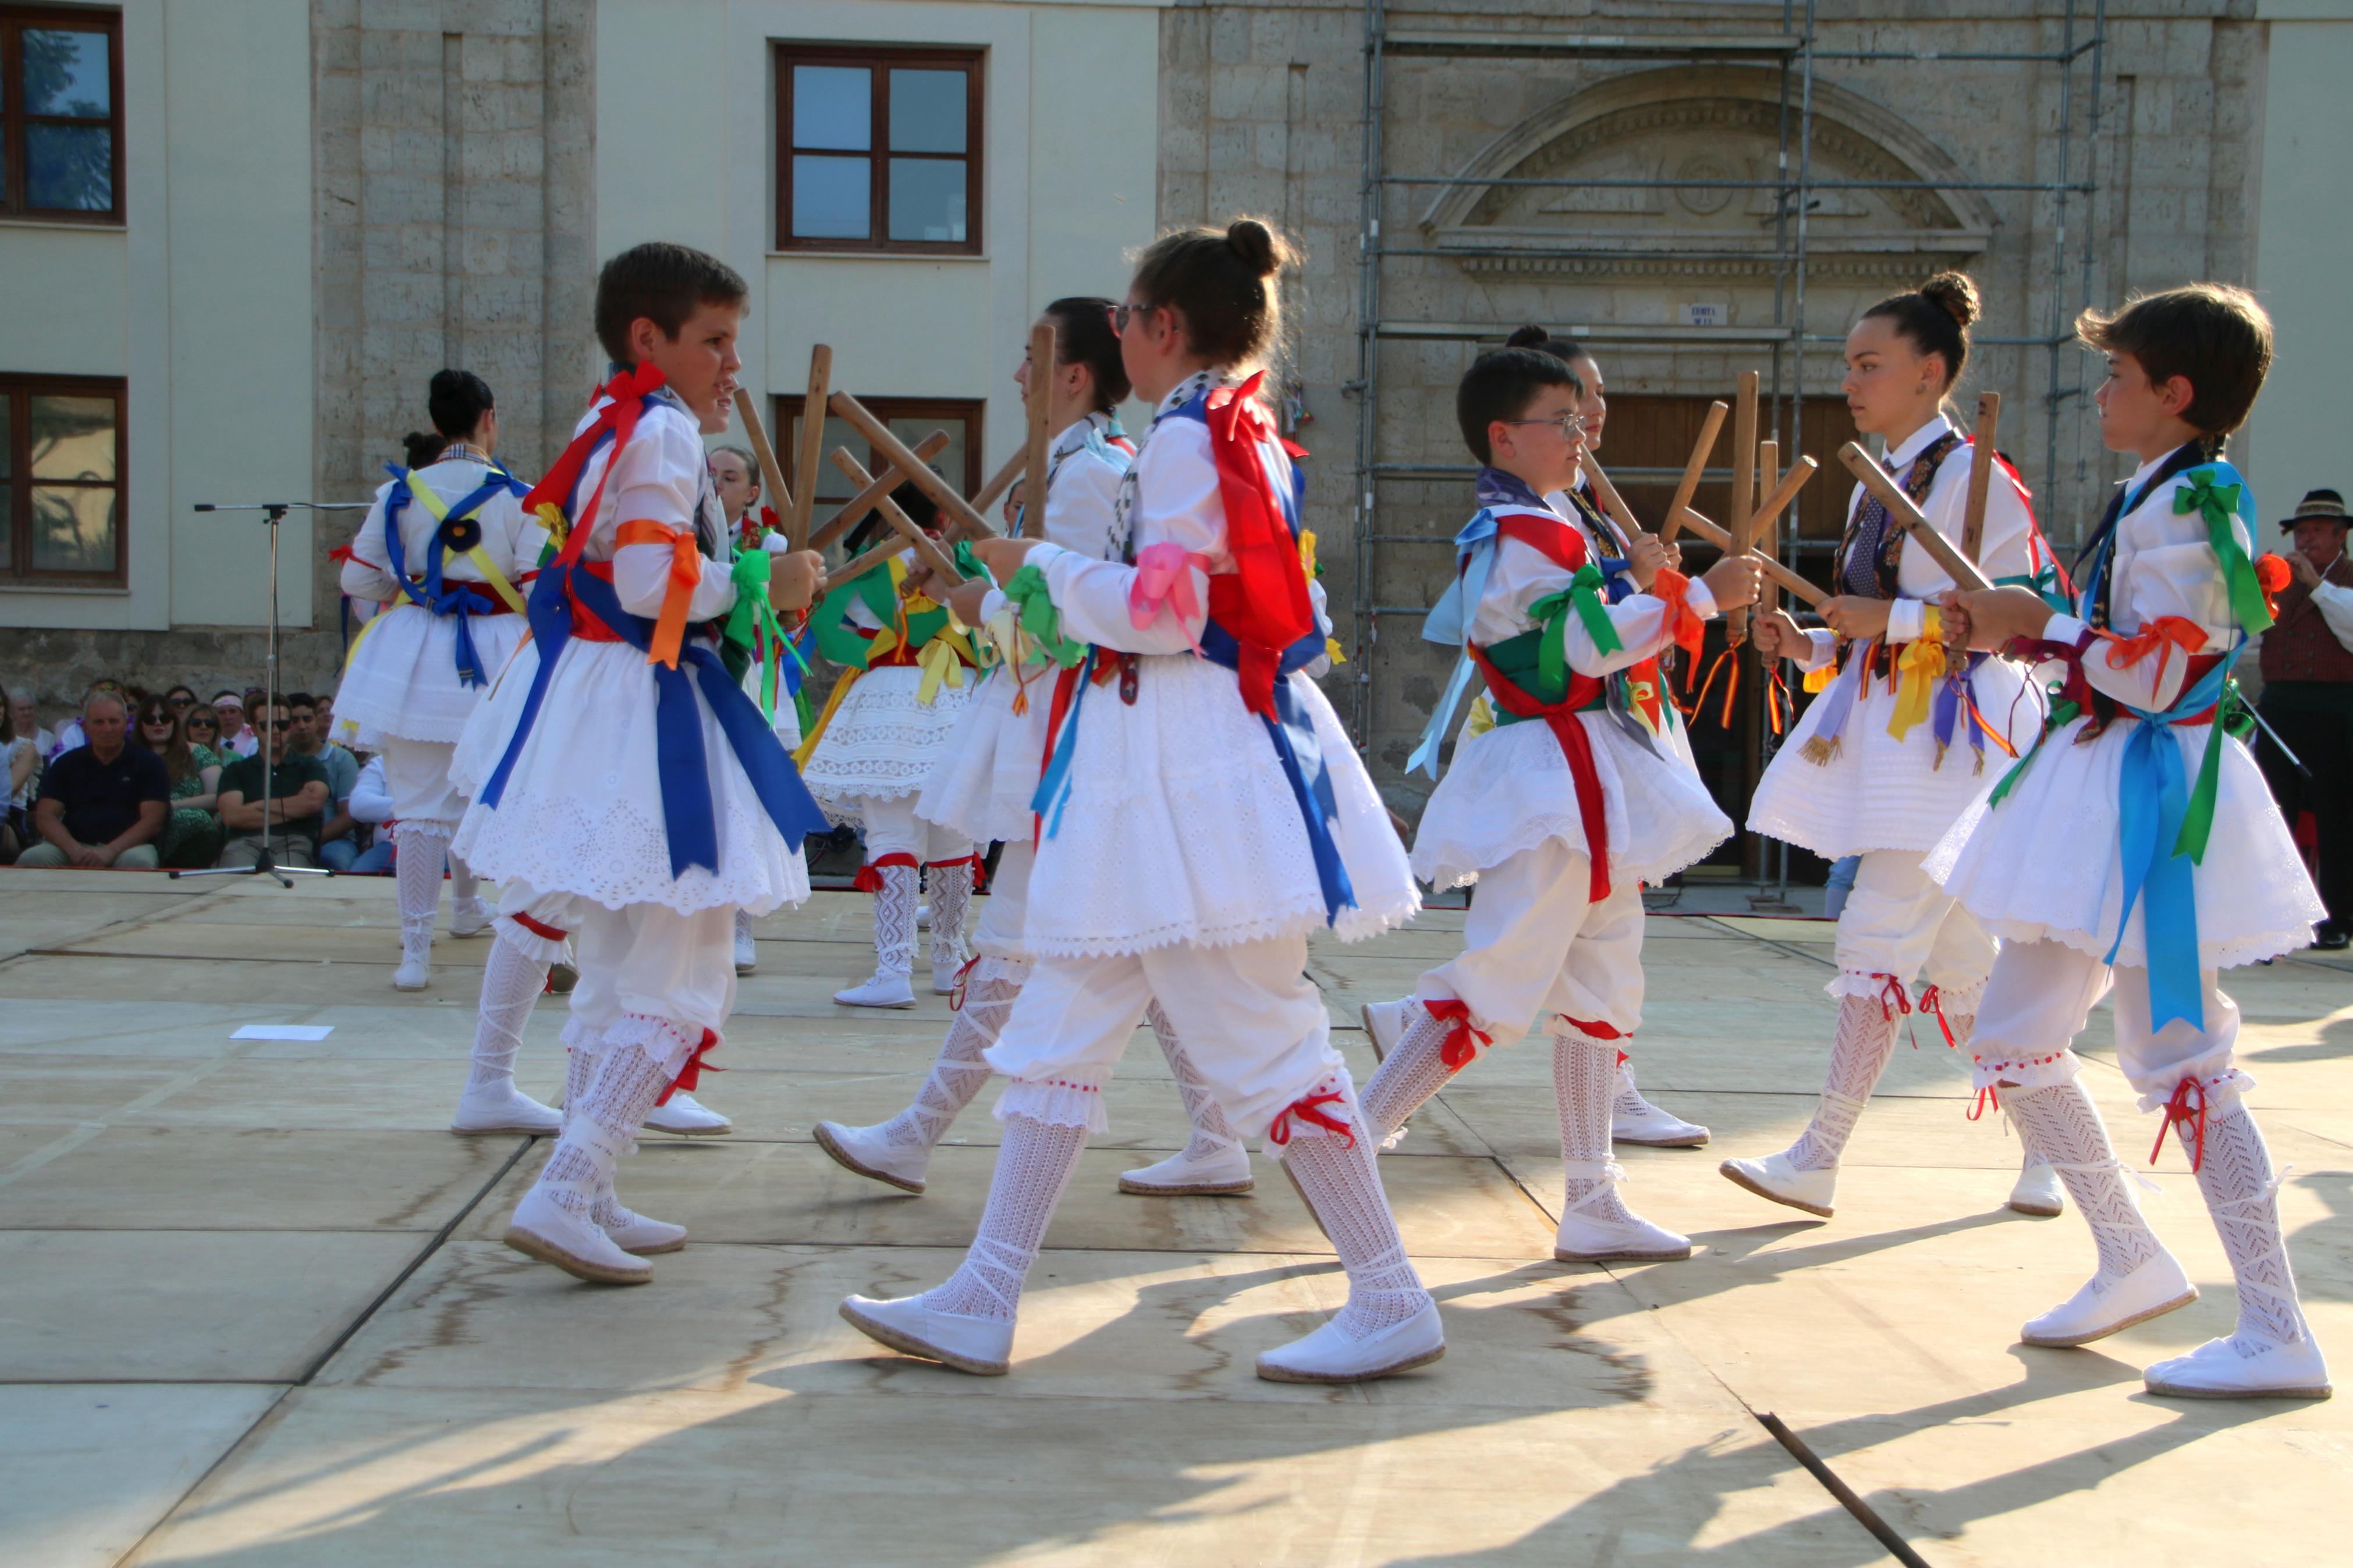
(1164, 580)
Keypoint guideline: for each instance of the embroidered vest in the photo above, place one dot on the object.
(2300, 647)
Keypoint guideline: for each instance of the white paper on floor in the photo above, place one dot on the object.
(284, 1032)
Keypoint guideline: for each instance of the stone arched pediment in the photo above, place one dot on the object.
(1704, 124)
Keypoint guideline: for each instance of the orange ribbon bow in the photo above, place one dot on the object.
(685, 577)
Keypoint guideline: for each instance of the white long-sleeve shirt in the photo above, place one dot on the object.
(1522, 574)
(511, 538)
(662, 476)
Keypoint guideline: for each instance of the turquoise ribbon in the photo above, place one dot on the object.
(2154, 791)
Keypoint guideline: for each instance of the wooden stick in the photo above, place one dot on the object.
(1001, 482)
(1773, 505)
(858, 505)
(1041, 428)
(772, 478)
(1694, 469)
(812, 447)
(860, 564)
(1881, 483)
(1982, 467)
(1709, 532)
(1611, 502)
(1744, 490)
(959, 511)
(1768, 537)
(943, 565)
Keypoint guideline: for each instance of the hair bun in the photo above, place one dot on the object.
(1254, 242)
(1528, 337)
(1955, 294)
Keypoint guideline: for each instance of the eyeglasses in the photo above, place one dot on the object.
(204, 723)
(183, 703)
(1121, 313)
(1571, 426)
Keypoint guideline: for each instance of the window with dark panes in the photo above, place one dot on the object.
(911, 419)
(61, 113)
(61, 462)
(878, 149)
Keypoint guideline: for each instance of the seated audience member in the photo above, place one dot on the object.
(27, 716)
(306, 736)
(71, 735)
(297, 798)
(103, 802)
(179, 698)
(192, 835)
(237, 735)
(20, 755)
(371, 807)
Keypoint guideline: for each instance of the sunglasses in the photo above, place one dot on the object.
(204, 723)
(1120, 315)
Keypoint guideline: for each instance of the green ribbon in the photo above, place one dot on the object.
(1584, 594)
(1035, 606)
(2061, 713)
(2219, 503)
(967, 563)
(2231, 717)
(753, 610)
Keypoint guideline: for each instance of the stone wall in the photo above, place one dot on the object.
(454, 148)
(1261, 108)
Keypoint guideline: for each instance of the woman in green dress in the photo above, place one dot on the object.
(192, 835)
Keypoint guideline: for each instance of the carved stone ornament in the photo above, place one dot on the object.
(1698, 125)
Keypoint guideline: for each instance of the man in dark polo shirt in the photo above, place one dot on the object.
(103, 802)
(298, 795)
(2308, 661)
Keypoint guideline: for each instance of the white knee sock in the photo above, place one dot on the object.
(2241, 1193)
(624, 1083)
(1866, 1038)
(423, 847)
(1337, 1174)
(463, 887)
(2061, 1123)
(951, 897)
(959, 1074)
(1211, 1131)
(1584, 1074)
(1414, 1070)
(512, 983)
(895, 921)
(1032, 1168)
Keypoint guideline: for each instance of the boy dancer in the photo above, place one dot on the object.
(2140, 834)
(624, 789)
(1560, 821)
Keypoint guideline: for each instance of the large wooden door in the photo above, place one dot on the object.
(1644, 446)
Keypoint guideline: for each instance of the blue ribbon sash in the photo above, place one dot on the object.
(459, 600)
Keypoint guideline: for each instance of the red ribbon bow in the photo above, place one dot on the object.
(1263, 601)
(627, 393)
(690, 1076)
(2180, 1112)
(870, 876)
(1933, 1001)
(1458, 1052)
(1892, 998)
(956, 992)
(1306, 1111)
(2159, 637)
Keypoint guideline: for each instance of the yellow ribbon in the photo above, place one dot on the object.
(939, 663)
(1818, 680)
(1918, 668)
(816, 732)
(479, 559)
(1481, 720)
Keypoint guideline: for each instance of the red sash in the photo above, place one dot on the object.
(1584, 692)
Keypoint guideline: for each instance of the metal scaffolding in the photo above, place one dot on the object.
(1796, 53)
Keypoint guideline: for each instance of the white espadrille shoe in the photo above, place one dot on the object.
(638, 1237)
(2105, 1306)
(1776, 1178)
(870, 1153)
(468, 916)
(1332, 1354)
(1384, 1023)
(889, 988)
(981, 1346)
(1589, 1237)
(546, 1229)
(1206, 1167)
(1634, 1120)
(2039, 1191)
(747, 951)
(416, 970)
(2243, 1367)
(687, 1116)
(503, 1108)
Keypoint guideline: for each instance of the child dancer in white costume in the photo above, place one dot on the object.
(985, 781)
(735, 474)
(1896, 748)
(449, 545)
(1560, 822)
(907, 676)
(2139, 834)
(1202, 814)
(623, 786)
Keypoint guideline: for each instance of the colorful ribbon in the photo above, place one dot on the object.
(2179, 1112)
(1919, 667)
(1309, 1110)
(685, 577)
(1164, 580)
(1457, 1052)
(459, 529)
(2155, 832)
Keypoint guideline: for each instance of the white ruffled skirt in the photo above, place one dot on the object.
(1877, 791)
(1510, 790)
(402, 679)
(2045, 864)
(881, 743)
(582, 812)
(1181, 825)
(987, 773)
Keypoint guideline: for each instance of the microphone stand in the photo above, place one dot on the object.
(265, 864)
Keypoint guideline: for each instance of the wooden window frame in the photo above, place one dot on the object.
(14, 156)
(17, 392)
(880, 58)
(786, 414)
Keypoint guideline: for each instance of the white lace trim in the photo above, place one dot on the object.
(529, 944)
(881, 743)
(2232, 1080)
(2032, 1073)
(665, 1042)
(1070, 1099)
(622, 856)
(2210, 955)
(1456, 863)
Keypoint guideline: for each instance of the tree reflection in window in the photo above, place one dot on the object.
(61, 478)
(59, 104)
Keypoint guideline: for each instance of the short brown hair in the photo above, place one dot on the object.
(2213, 335)
(1222, 279)
(663, 282)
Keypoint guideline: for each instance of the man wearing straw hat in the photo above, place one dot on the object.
(2307, 702)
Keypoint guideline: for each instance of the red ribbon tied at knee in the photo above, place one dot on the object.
(2180, 1112)
(690, 1076)
(1309, 1111)
(1458, 1052)
(1933, 1001)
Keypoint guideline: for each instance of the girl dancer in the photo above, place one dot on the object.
(735, 474)
(907, 677)
(1202, 813)
(984, 782)
(2139, 834)
(448, 543)
(1881, 763)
